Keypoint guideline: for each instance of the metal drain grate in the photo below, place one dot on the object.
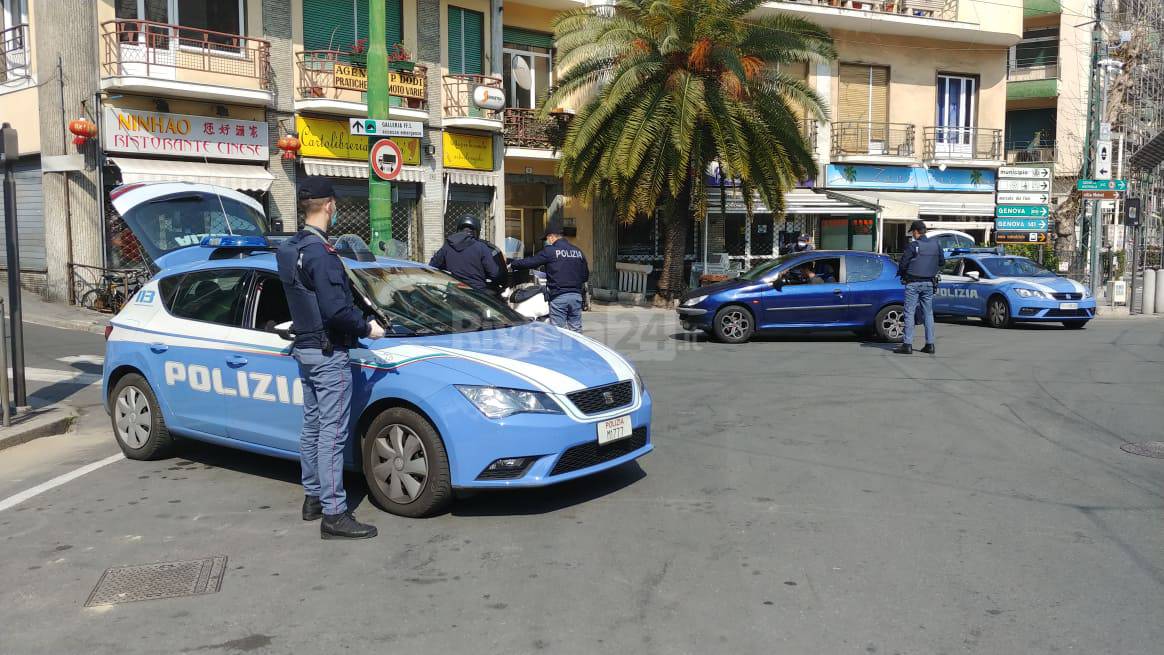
(127, 584)
(1147, 449)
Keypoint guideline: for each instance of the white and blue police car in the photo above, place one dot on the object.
(462, 393)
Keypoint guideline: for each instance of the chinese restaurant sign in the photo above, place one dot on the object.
(329, 139)
(181, 135)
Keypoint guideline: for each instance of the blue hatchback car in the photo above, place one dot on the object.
(1005, 289)
(816, 290)
(463, 392)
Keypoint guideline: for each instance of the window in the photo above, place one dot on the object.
(226, 16)
(826, 270)
(339, 24)
(864, 93)
(270, 304)
(951, 267)
(535, 50)
(466, 41)
(862, 268)
(214, 296)
(1039, 47)
(956, 100)
(970, 266)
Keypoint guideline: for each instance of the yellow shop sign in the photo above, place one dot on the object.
(402, 84)
(471, 151)
(328, 139)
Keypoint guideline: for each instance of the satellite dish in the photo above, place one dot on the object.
(521, 73)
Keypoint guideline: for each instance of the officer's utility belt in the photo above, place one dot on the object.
(911, 278)
(325, 344)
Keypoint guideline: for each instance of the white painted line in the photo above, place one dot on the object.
(13, 501)
(54, 376)
(96, 360)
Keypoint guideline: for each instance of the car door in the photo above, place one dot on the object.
(864, 287)
(189, 357)
(953, 283)
(794, 303)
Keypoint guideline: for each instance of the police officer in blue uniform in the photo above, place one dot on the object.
(326, 323)
(918, 270)
(566, 274)
(470, 260)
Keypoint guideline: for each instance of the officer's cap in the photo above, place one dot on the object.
(315, 186)
(917, 226)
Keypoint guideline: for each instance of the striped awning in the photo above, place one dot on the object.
(355, 169)
(909, 205)
(243, 177)
(471, 178)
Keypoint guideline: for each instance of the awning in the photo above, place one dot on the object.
(355, 169)
(909, 205)
(471, 178)
(797, 201)
(244, 177)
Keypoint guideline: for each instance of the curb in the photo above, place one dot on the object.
(46, 422)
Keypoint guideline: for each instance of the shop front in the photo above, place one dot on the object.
(328, 148)
(470, 180)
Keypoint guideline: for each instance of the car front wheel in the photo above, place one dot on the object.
(890, 323)
(405, 464)
(998, 313)
(137, 419)
(734, 324)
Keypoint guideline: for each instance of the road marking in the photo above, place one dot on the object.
(96, 360)
(39, 489)
(55, 376)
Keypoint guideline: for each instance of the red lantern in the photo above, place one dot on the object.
(82, 129)
(289, 144)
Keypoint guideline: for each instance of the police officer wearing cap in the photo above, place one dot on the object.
(470, 260)
(326, 323)
(566, 274)
(918, 270)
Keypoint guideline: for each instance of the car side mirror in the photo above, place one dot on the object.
(284, 331)
(974, 275)
(778, 283)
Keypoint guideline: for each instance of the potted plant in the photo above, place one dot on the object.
(358, 53)
(400, 59)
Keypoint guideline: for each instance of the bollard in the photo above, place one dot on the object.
(1160, 291)
(1148, 304)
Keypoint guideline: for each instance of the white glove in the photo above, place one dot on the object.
(375, 330)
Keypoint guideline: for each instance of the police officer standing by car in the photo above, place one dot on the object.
(326, 323)
(566, 275)
(469, 259)
(918, 270)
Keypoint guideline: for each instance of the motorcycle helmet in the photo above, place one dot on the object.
(470, 222)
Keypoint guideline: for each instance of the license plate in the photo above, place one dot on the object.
(614, 429)
(1068, 305)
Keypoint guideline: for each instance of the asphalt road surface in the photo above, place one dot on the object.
(813, 495)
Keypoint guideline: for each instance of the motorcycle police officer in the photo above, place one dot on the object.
(326, 323)
(470, 260)
(566, 273)
(918, 270)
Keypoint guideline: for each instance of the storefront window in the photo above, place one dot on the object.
(834, 233)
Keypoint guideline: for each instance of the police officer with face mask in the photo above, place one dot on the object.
(326, 323)
(918, 270)
(566, 275)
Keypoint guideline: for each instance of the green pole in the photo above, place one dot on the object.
(379, 191)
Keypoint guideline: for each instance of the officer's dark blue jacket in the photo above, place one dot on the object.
(307, 258)
(566, 269)
(468, 259)
(921, 260)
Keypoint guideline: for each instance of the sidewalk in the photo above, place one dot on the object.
(58, 315)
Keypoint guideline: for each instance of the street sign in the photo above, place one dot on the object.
(1023, 172)
(1021, 224)
(373, 127)
(1021, 211)
(1101, 195)
(385, 160)
(1105, 131)
(1102, 185)
(1020, 237)
(1102, 167)
(1023, 198)
(1006, 184)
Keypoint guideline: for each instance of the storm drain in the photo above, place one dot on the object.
(128, 584)
(1147, 449)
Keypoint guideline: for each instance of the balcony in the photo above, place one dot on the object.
(15, 54)
(529, 136)
(942, 9)
(855, 141)
(943, 20)
(1032, 82)
(334, 82)
(1032, 152)
(977, 146)
(141, 56)
(460, 109)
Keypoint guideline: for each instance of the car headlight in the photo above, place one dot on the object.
(691, 302)
(1086, 293)
(640, 386)
(499, 402)
(1030, 293)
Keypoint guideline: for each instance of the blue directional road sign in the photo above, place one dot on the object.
(1021, 224)
(1102, 185)
(1021, 211)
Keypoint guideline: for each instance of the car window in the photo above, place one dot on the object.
(971, 266)
(214, 296)
(1015, 267)
(951, 266)
(825, 270)
(862, 268)
(270, 308)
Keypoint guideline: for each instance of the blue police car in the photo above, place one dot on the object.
(815, 290)
(1004, 289)
(462, 393)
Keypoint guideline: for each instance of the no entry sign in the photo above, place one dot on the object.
(385, 160)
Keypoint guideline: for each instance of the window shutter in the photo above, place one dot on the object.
(456, 40)
(879, 94)
(528, 38)
(395, 23)
(474, 26)
(864, 93)
(329, 24)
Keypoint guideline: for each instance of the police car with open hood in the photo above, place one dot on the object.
(1004, 289)
(462, 392)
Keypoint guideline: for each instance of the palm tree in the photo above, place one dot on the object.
(675, 85)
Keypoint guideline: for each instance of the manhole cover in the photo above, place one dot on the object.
(127, 584)
(1147, 449)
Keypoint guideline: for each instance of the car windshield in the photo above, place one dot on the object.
(422, 301)
(1014, 267)
(764, 268)
(173, 222)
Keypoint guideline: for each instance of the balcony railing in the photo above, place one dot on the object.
(458, 96)
(159, 50)
(1026, 73)
(862, 139)
(943, 9)
(963, 144)
(524, 129)
(335, 75)
(14, 53)
(1037, 152)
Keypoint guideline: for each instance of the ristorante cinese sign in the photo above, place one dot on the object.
(181, 135)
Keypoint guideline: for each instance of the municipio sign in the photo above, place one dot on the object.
(385, 160)
(1023, 172)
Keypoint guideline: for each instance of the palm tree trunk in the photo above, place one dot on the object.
(675, 224)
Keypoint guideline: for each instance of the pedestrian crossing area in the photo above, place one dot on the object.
(81, 371)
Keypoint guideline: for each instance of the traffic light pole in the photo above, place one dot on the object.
(379, 191)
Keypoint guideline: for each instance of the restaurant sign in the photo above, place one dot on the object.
(331, 139)
(402, 84)
(181, 135)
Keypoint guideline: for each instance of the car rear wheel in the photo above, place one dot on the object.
(138, 425)
(734, 324)
(998, 313)
(1074, 325)
(405, 464)
(890, 324)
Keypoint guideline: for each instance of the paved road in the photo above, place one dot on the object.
(808, 495)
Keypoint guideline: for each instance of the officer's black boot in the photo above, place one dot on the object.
(929, 349)
(904, 349)
(312, 508)
(345, 526)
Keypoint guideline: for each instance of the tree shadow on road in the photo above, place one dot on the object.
(545, 500)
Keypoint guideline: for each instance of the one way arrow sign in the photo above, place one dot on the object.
(1103, 160)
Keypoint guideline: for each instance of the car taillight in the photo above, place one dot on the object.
(108, 331)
